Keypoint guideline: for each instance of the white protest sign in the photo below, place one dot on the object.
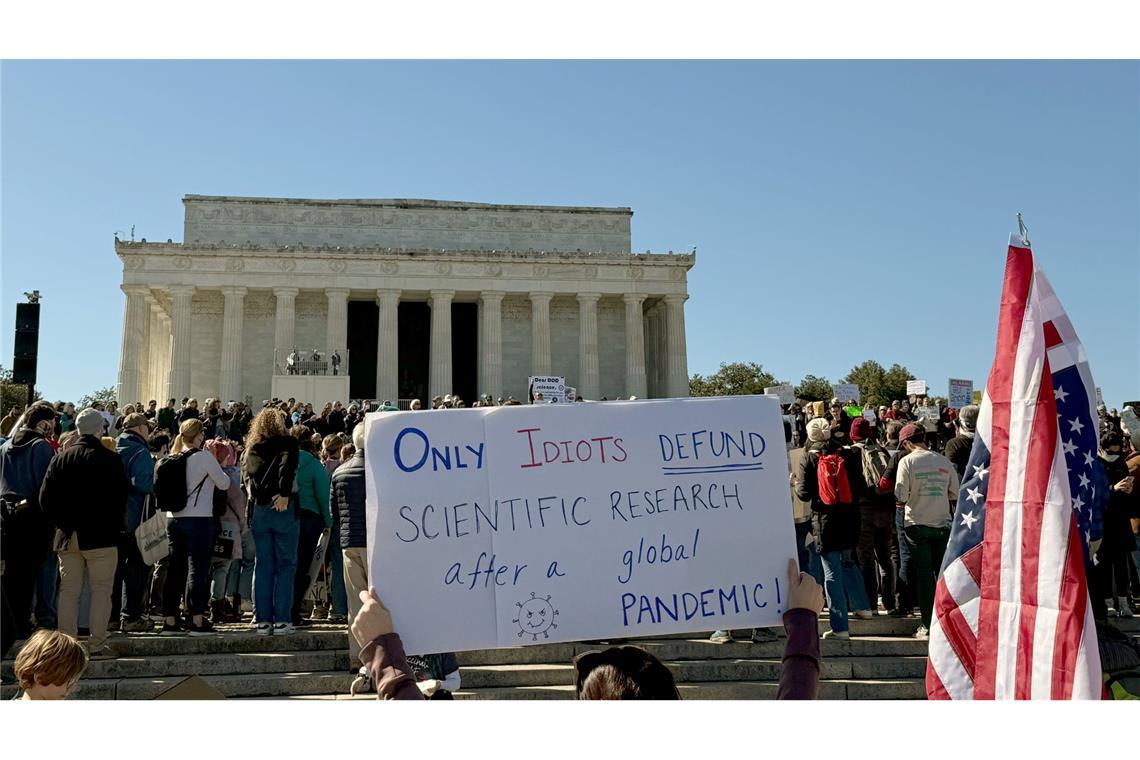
(916, 387)
(571, 394)
(1099, 396)
(928, 413)
(846, 391)
(961, 393)
(553, 389)
(501, 526)
(786, 393)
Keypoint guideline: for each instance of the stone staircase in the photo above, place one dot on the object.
(880, 661)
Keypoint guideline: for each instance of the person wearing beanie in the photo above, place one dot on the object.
(878, 551)
(958, 448)
(84, 494)
(927, 487)
(830, 478)
(26, 532)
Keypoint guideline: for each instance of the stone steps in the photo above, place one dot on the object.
(880, 661)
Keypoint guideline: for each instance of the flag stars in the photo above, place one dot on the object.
(968, 520)
(1078, 505)
(1084, 480)
(980, 471)
(1070, 448)
(1076, 426)
(1061, 394)
(1088, 459)
(974, 495)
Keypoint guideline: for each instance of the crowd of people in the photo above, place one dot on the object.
(261, 519)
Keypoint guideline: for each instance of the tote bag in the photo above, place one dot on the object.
(151, 534)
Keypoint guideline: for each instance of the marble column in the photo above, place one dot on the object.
(337, 324)
(181, 298)
(166, 355)
(678, 380)
(634, 345)
(144, 353)
(388, 346)
(283, 341)
(159, 343)
(652, 389)
(491, 335)
(229, 385)
(134, 313)
(588, 381)
(540, 333)
(439, 378)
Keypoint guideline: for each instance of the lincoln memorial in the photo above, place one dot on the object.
(416, 298)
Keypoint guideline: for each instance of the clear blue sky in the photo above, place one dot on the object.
(841, 211)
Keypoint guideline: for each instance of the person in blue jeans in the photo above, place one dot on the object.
(269, 469)
(835, 520)
(239, 582)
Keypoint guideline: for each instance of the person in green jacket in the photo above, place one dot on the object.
(312, 493)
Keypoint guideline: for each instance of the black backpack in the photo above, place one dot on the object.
(170, 492)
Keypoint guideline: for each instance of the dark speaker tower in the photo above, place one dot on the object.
(26, 346)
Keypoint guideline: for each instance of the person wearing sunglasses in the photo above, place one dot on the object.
(616, 673)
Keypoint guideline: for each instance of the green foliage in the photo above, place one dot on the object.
(814, 388)
(735, 379)
(102, 395)
(877, 385)
(12, 396)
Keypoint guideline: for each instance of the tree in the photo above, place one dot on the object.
(814, 388)
(102, 396)
(12, 396)
(735, 379)
(877, 385)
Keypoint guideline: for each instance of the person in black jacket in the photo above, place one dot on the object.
(958, 448)
(347, 506)
(269, 469)
(836, 527)
(85, 495)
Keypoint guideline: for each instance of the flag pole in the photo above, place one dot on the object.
(1022, 229)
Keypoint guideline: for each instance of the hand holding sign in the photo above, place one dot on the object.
(803, 592)
(373, 620)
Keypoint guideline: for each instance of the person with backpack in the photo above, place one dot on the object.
(315, 519)
(84, 493)
(269, 469)
(132, 574)
(927, 486)
(830, 478)
(184, 486)
(877, 537)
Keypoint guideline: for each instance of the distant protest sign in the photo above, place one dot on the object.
(786, 393)
(494, 527)
(846, 392)
(961, 393)
(928, 413)
(977, 397)
(916, 387)
(553, 389)
(571, 394)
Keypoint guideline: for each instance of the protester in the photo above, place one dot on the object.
(49, 666)
(831, 479)
(928, 486)
(315, 518)
(269, 468)
(191, 534)
(1111, 566)
(878, 550)
(26, 530)
(84, 493)
(331, 453)
(132, 572)
(349, 520)
(958, 448)
(228, 544)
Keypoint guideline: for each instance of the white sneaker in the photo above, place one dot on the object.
(265, 629)
(864, 614)
(841, 635)
(1123, 609)
(922, 634)
(1111, 605)
(283, 629)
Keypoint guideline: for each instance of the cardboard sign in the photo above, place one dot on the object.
(494, 527)
(786, 393)
(928, 413)
(916, 387)
(961, 393)
(553, 389)
(846, 391)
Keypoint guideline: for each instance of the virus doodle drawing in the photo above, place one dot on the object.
(536, 617)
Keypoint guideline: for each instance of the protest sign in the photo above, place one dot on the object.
(571, 394)
(846, 392)
(977, 397)
(495, 527)
(961, 393)
(928, 413)
(786, 393)
(553, 389)
(1099, 396)
(916, 387)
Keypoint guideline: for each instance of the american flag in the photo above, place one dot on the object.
(1012, 615)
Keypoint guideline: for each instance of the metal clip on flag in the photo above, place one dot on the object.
(1012, 613)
